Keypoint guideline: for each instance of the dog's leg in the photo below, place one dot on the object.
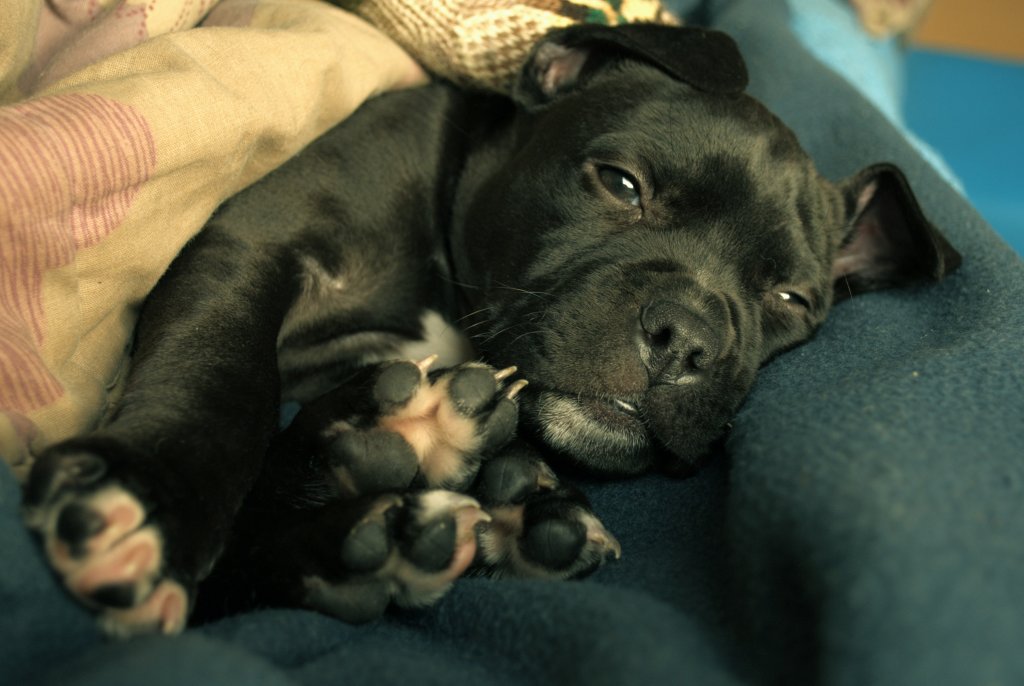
(397, 425)
(322, 527)
(539, 527)
(134, 515)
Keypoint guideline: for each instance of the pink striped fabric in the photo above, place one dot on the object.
(70, 167)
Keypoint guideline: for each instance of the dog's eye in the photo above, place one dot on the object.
(620, 184)
(794, 299)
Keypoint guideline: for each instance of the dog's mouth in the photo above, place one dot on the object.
(613, 411)
(610, 411)
(607, 433)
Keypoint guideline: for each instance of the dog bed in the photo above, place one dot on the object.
(861, 523)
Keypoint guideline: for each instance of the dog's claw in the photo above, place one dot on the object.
(427, 362)
(601, 538)
(503, 374)
(515, 387)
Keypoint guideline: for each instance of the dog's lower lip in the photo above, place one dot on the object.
(625, 406)
(609, 410)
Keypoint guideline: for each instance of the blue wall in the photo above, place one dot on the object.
(972, 111)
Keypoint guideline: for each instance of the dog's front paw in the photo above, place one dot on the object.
(101, 542)
(406, 550)
(539, 528)
(413, 427)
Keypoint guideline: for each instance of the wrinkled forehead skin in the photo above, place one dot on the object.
(729, 183)
(732, 209)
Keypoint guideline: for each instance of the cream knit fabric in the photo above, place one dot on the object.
(483, 43)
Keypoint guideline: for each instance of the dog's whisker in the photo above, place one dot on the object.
(528, 333)
(460, 284)
(538, 294)
(483, 338)
(473, 326)
(511, 327)
(473, 314)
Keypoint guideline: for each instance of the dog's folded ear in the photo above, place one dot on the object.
(888, 241)
(565, 58)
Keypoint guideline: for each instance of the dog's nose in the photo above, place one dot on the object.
(676, 344)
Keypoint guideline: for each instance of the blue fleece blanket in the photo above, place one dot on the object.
(864, 523)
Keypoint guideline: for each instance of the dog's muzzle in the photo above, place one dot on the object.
(692, 390)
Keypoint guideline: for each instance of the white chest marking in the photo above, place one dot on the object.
(440, 338)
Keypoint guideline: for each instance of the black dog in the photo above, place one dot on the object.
(629, 230)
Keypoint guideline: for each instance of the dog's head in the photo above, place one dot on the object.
(656, 235)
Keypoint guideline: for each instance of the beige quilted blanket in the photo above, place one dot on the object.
(119, 134)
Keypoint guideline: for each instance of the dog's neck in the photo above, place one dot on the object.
(480, 128)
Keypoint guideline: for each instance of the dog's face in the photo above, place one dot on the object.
(656, 236)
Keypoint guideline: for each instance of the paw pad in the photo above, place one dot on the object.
(430, 428)
(372, 461)
(471, 389)
(539, 528)
(555, 543)
(97, 539)
(398, 382)
(407, 551)
(367, 547)
(76, 525)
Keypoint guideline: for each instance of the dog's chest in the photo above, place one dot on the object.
(441, 338)
(347, 318)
